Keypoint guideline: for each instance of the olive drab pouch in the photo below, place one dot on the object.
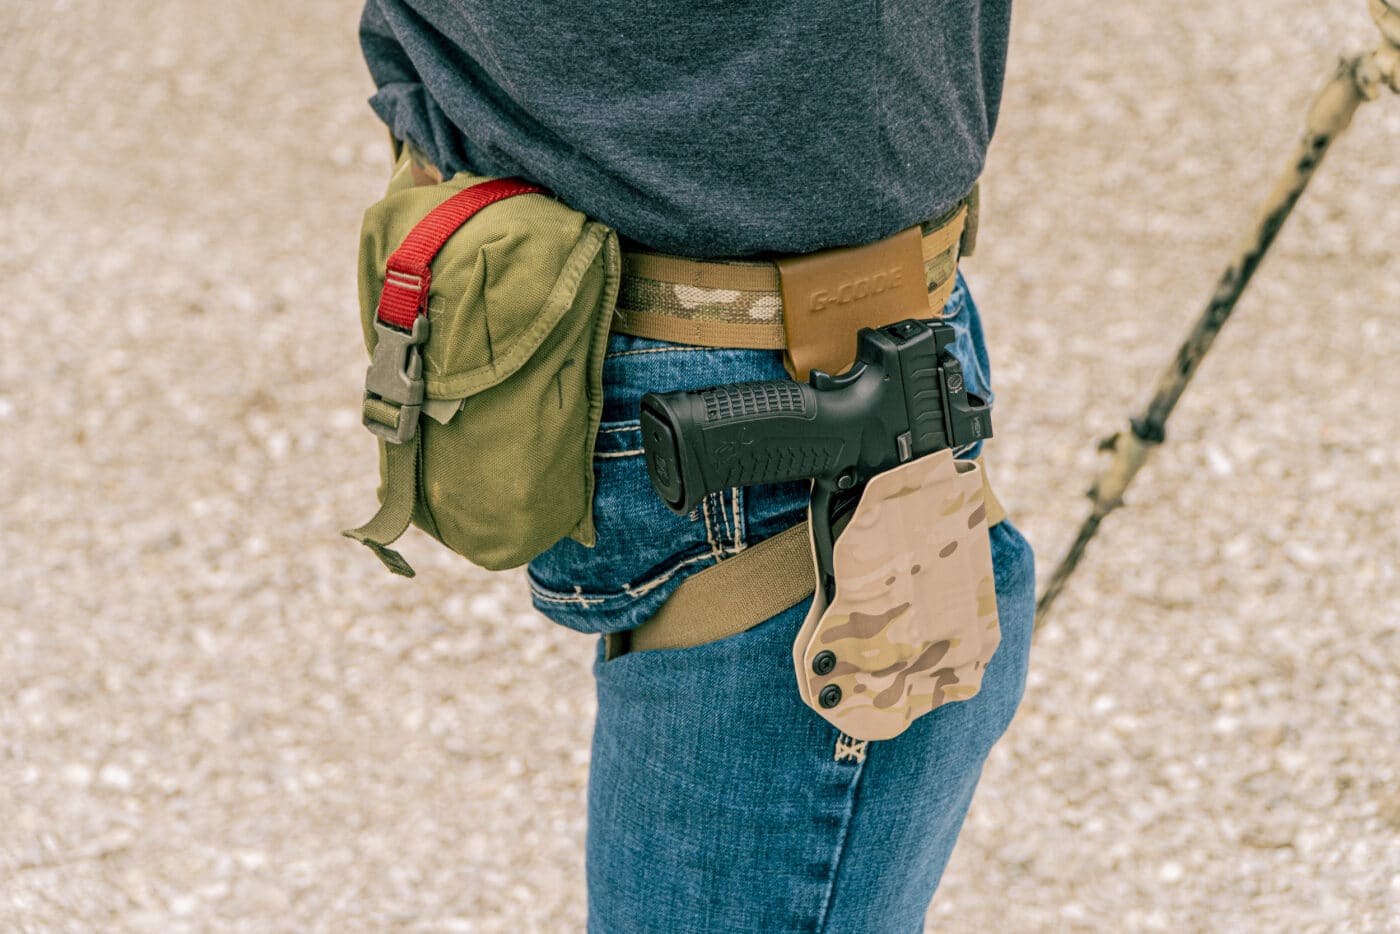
(485, 305)
(913, 622)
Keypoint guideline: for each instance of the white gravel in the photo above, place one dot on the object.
(216, 714)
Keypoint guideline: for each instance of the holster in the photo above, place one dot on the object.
(914, 620)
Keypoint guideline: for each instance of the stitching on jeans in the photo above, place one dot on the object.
(709, 529)
(848, 747)
(632, 353)
(628, 427)
(577, 597)
(606, 454)
(738, 520)
(655, 582)
(722, 508)
(823, 912)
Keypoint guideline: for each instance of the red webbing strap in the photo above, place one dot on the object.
(409, 271)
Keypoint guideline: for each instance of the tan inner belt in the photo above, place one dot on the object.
(740, 592)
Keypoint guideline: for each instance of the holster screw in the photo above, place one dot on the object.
(824, 662)
(830, 696)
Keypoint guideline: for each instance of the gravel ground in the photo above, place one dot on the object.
(216, 714)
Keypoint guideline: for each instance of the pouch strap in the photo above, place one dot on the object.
(394, 515)
(740, 592)
(409, 270)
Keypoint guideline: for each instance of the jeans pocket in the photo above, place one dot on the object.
(641, 545)
(643, 549)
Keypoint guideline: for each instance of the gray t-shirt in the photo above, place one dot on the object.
(703, 127)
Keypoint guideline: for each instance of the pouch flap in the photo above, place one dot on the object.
(500, 284)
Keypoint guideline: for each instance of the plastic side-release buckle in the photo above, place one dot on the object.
(394, 381)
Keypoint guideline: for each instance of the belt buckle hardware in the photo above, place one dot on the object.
(395, 375)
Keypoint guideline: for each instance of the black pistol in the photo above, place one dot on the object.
(903, 398)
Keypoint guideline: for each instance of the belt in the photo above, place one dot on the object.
(747, 304)
(809, 305)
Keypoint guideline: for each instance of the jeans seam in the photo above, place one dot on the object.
(660, 579)
(628, 591)
(824, 912)
(715, 549)
(579, 598)
(633, 353)
(728, 540)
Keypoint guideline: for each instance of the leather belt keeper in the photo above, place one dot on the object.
(830, 295)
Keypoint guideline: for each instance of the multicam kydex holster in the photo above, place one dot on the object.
(913, 621)
(904, 617)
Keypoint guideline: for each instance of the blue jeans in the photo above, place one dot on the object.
(718, 802)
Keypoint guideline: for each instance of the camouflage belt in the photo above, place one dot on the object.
(740, 303)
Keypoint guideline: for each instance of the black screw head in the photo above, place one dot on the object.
(830, 696)
(824, 662)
